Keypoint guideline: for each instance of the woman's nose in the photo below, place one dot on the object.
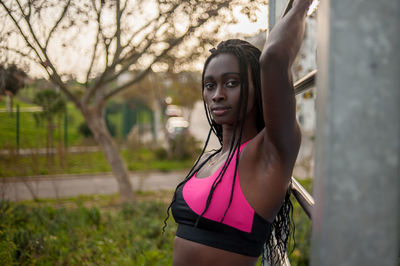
(219, 94)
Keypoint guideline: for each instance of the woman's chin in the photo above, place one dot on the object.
(223, 121)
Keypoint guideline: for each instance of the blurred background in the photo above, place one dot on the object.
(101, 116)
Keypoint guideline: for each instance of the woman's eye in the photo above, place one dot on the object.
(209, 86)
(232, 83)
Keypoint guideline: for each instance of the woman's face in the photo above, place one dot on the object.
(222, 89)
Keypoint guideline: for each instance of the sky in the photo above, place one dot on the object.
(72, 61)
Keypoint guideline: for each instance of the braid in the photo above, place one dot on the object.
(189, 175)
(247, 56)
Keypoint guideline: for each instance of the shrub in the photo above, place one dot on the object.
(184, 146)
(84, 129)
(120, 235)
(106, 234)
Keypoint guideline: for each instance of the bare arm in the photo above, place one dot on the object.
(279, 102)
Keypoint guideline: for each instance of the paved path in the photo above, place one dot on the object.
(16, 189)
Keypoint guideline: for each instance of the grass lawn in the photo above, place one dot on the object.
(31, 134)
(82, 163)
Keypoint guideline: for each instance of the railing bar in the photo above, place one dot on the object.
(313, 7)
(287, 8)
(305, 83)
(304, 198)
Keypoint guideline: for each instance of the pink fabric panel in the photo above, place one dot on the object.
(240, 214)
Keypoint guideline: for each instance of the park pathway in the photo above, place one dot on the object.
(17, 189)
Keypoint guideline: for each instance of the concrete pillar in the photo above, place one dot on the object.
(356, 186)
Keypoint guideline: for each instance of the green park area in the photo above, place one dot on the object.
(98, 230)
(67, 133)
(94, 87)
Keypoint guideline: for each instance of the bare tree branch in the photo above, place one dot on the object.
(29, 9)
(96, 44)
(44, 62)
(211, 13)
(24, 36)
(17, 51)
(131, 56)
(138, 31)
(127, 61)
(117, 34)
(160, 20)
(147, 70)
(57, 23)
(124, 7)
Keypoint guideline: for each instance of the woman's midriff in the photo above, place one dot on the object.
(195, 254)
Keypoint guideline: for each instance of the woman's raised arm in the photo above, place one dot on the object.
(278, 96)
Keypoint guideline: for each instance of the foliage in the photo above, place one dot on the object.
(31, 135)
(97, 230)
(299, 251)
(52, 104)
(184, 88)
(85, 130)
(59, 235)
(12, 79)
(184, 146)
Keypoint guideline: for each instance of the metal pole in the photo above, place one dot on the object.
(271, 14)
(277, 9)
(356, 186)
(66, 127)
(17, 129)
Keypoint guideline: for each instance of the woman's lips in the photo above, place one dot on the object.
(220, 111)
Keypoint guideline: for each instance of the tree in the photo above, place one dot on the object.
(53, 105)
(12, 79)
(108, 39)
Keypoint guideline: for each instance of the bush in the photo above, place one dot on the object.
(84, 235)
(84, 129)
(161, 153)
(184, 146)
(300, 250)
(106, 234)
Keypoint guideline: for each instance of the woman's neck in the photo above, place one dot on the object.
(249, 132)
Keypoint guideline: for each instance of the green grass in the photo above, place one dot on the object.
(85, 231)
(33, 135)
(97, 230)
(299, 252)
(82, 163)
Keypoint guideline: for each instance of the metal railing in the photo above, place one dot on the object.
(304, 84)
(304, 198)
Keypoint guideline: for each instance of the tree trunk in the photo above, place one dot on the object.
(95, 120)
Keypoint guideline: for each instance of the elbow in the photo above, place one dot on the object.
(274, 57)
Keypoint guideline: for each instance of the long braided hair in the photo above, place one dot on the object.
(247, 56)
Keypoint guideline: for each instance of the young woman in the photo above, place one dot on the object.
(234, 204)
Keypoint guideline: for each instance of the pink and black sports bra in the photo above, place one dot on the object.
(242, 230)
